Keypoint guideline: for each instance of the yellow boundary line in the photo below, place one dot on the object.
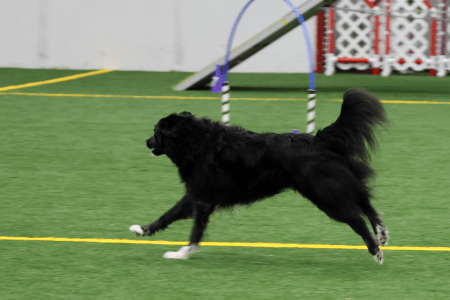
(61, 79)
(219, 244)
(200, 98)
(147, 97)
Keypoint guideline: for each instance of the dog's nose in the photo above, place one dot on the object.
(150, 142)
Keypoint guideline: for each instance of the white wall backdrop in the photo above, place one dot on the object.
(151, 35)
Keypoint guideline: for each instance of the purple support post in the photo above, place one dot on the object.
(217, 82)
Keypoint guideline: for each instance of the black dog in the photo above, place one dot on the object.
(225, 166)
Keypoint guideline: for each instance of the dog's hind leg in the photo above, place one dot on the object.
(377, 223)
(357, 223)
(182, 210)
(360, 227)
(334, 191)
(201, 219)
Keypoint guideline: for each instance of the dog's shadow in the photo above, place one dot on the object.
(286, 260)
(347, 265)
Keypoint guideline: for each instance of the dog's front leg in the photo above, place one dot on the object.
(182, 210)
(201, 219)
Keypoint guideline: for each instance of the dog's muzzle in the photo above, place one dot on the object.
(151, 144)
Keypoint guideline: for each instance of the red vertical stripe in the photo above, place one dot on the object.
(433, 37)
(433, 43)
(320, 31)
(376, 42)
(331, 29)
(376, 38)
(388, 28)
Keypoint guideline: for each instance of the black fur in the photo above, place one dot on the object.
(226, 166)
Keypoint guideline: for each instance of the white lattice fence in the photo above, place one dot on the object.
(410, 35)
(410, 32)
(354, 32)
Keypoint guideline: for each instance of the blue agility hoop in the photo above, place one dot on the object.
(222, 71)
(230, 41)
(301, 20)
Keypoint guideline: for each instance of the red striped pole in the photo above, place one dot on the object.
(387, 41)
(331, 30)
(320, 31)
(433, 44)
(376, 43)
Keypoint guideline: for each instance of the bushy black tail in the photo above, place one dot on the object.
(353, 133)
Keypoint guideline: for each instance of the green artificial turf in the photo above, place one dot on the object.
(47, 270)
(78, 167)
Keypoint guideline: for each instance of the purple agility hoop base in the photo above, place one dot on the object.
(220, 79)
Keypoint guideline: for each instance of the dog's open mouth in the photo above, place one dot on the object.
(157, 152)
(151, 144)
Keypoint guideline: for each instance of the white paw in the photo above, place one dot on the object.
(137, 230)
(379, 257)
(183, 253)
(382, 235)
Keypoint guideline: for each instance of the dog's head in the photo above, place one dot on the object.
(170, 132)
